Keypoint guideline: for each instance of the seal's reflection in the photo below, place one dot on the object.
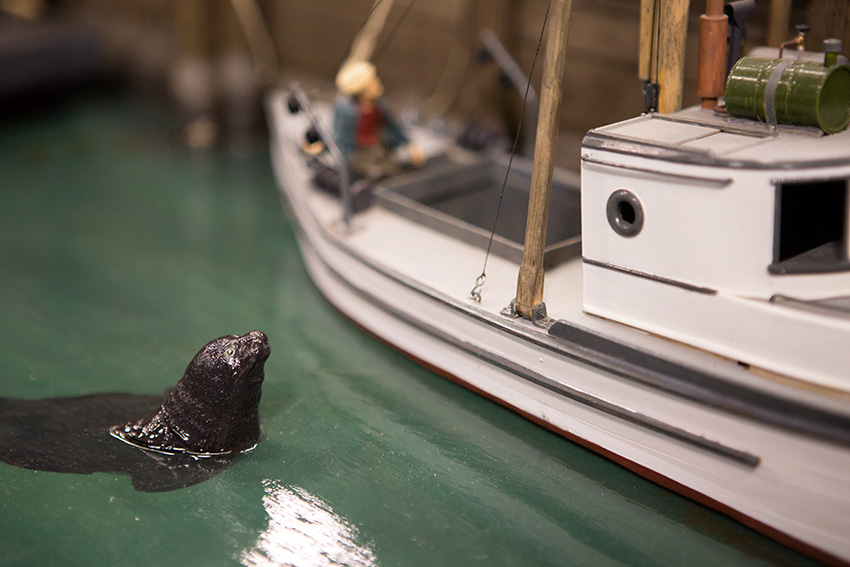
(304, 530)
(173, 441)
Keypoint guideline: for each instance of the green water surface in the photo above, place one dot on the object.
(121, 254)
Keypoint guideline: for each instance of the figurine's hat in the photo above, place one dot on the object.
(354, 76)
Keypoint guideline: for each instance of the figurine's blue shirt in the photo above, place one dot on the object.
(345, 125)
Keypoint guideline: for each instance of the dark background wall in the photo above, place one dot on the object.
(431, 61)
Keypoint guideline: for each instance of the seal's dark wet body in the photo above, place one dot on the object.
(214, 408)
(188, 437)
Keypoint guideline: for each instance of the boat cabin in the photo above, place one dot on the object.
(722, 233)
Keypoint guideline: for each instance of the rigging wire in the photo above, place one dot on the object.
(656, 38)
(475, 294)
(366, 37)
(360, 28)
(369, 15)
(456, 68)
(383, 47)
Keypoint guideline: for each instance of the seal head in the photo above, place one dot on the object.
(213, 410)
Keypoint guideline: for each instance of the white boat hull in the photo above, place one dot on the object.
(791, 486)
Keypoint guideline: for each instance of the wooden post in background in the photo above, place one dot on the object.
(777, 27)
(530, 279)
(828, 18)
(192, 74)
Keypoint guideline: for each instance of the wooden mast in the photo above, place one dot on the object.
(661, 56)
(530, 279)
(647, 69)
(672, 36)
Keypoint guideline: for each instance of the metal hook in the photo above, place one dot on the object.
(475, 294)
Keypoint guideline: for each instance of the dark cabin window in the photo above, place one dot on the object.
(811, 227)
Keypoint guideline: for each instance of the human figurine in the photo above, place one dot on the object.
(364, 128)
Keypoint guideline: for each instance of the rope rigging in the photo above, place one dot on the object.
(475, 294)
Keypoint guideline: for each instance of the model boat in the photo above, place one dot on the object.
(695, 320)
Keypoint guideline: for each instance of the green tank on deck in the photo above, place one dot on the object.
(805, 93)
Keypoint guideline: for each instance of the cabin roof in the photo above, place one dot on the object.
(703, 137)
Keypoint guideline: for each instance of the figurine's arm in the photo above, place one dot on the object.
(344, 126)
(394, 136)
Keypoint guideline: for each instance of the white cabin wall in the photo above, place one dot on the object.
(702, 234)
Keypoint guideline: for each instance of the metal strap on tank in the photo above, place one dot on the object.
(770, 93)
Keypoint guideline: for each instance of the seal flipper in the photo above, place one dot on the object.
(153, 433)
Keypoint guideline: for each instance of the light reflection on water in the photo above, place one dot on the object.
(304, 530)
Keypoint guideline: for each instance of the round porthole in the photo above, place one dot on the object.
(625, 213)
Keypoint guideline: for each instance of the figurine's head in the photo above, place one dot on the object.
(359, 79)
